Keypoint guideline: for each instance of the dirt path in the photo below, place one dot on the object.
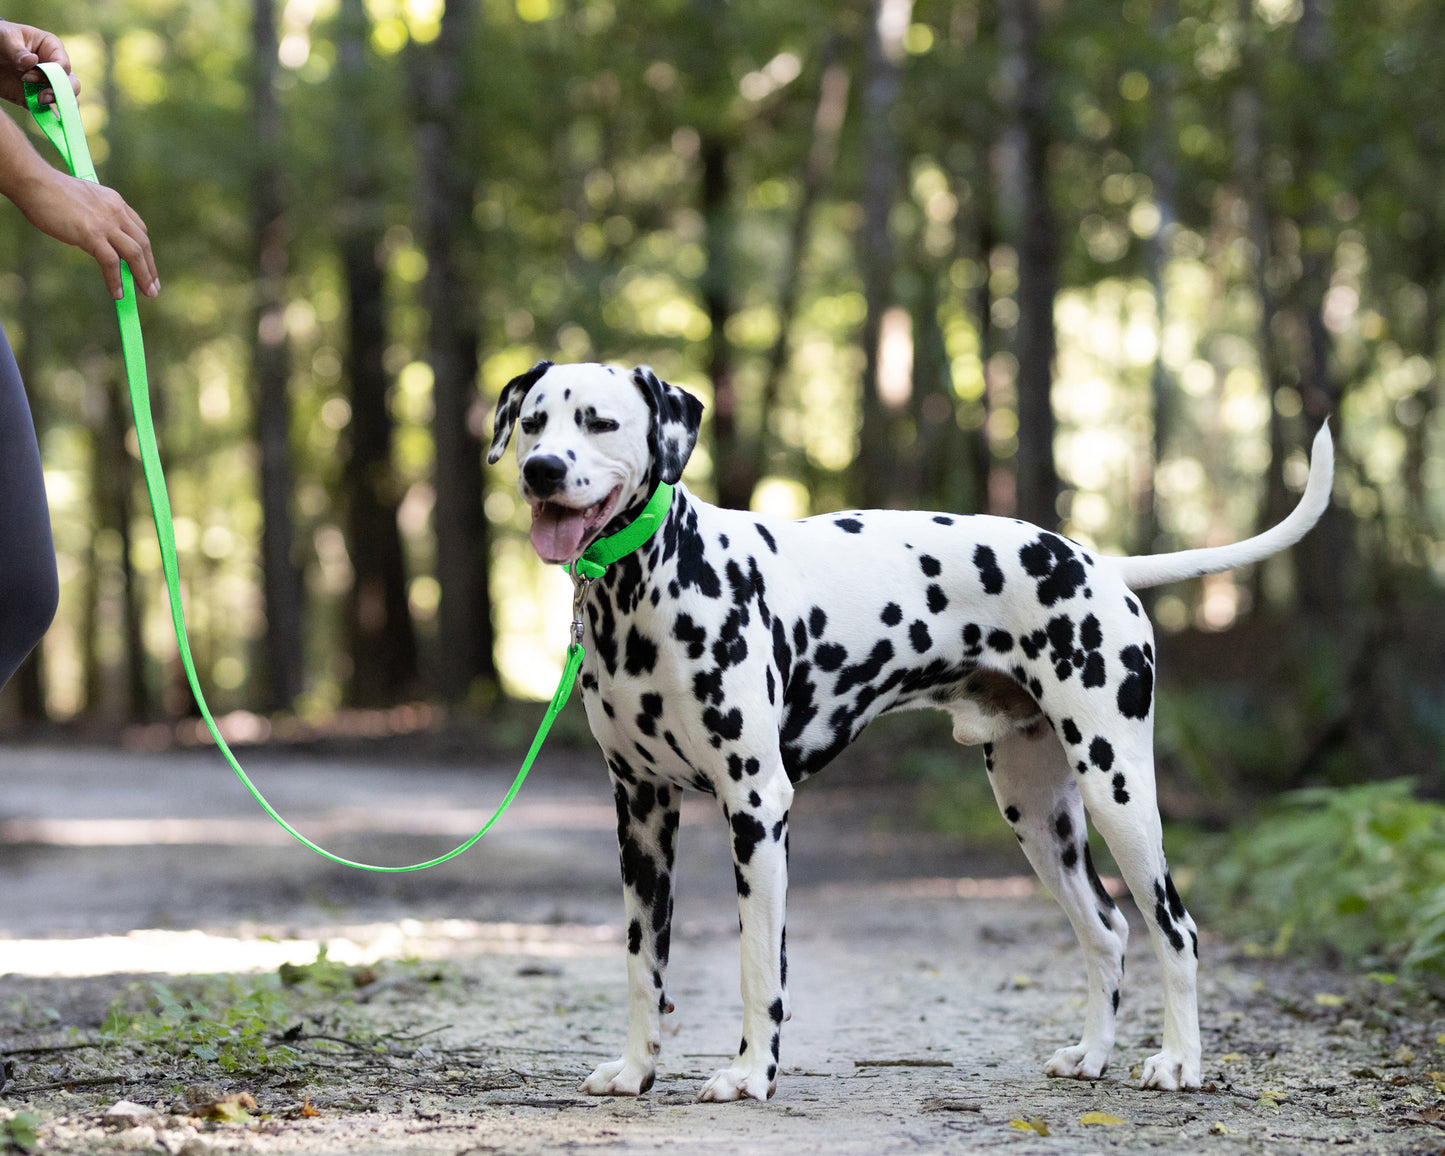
(929, 985)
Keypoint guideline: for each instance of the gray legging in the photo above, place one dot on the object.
(29, 586)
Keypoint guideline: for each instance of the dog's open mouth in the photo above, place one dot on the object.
(560, 533)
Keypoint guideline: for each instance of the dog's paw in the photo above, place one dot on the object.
(738, 1083)
(1080, 1062)
(619, 1078)
(1170, 1073)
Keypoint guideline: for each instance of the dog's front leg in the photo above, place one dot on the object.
(757, 811)
(647, 821)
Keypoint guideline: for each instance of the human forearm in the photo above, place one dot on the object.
(23, 172)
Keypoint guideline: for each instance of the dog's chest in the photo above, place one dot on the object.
(676, 677)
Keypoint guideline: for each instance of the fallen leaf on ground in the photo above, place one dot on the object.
(1329, 999)
(1221, 1130)
(1032, 1124)
(307, 1109)
(1100, 1118)
(228, 1109)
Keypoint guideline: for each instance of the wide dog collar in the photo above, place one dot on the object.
(633, 536)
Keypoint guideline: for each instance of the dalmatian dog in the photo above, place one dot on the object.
(736, 654)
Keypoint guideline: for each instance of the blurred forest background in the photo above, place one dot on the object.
(1104, 266)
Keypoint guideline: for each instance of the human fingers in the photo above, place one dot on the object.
(109, 261)
(141, 260)
(42, 47)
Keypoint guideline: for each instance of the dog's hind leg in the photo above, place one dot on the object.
(757, 811)
(1036, 792)
(647, 820)
(1118, 789)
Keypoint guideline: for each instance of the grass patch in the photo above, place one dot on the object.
(1356, 873)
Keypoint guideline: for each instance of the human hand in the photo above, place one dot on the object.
(96, 219)
(22, 49)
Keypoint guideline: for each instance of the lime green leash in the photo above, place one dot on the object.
(61, 124)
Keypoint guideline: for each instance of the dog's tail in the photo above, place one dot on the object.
(1156, 569)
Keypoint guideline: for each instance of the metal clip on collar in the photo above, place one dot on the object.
(580, 585)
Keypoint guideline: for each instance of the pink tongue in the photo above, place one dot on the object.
(557, 532)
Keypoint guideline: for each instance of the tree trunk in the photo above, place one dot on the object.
(827, 126)
(444, 203)
(980, 305)
(379, 633)
(1325, 558)
(115, 493)
(877, 453)
(1036, 482)
(729, 458)
(1247, 117)
(270, 368)
(1164, 174)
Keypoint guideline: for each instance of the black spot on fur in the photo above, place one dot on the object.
(747, 834)
(892, 614)
(1071, 732)
(931, 565)
(1098, 885)
(1136, 692)
(849, 525)
(1121, 796)
(775, 1011)
(817, 622)
(1063, 826)
(1164, 920)
(1176, 905)
(830, 656)
(1001, 641)
(1058, 569)
(640, 654)
(1011, 814)
(1101, 753)
(1070, 857)
(919, 636)
(686, 631)
(724, 727)
(634, 937)
(937, 599)
(867, 670)
(766, 537)
(989, 573)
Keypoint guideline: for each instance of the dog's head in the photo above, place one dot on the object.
(592, 444)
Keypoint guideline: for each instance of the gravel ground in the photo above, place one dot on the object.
(929, 982)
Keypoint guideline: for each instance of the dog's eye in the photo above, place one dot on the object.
(533, 423)
(602, 425)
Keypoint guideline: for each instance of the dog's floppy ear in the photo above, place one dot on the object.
(509, 405)
(676, 417)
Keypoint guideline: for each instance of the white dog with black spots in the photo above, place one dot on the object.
(736, 654)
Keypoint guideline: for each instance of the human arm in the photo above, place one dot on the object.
(80, 213)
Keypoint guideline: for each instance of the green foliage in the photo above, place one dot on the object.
(325, 974)
(229, 1022)
(18, 1133)
(1358, 872)
(957, 798)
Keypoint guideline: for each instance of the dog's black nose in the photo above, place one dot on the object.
(544, 475)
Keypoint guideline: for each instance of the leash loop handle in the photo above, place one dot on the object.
(61, 124)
